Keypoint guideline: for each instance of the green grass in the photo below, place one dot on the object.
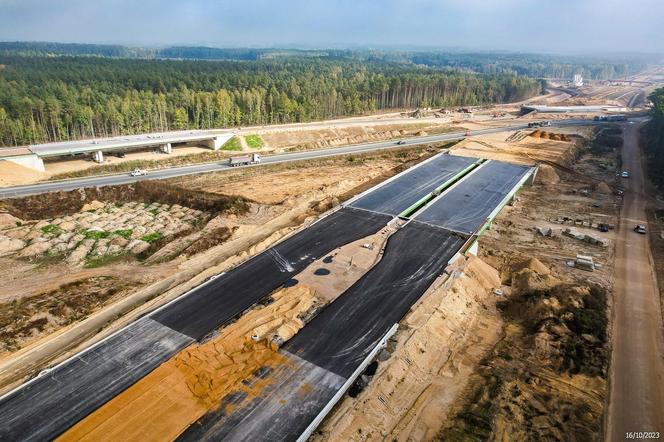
(93, 263)
(95, 234)
(254, 141)
(152, 237)
(51, 229)
(232, 144)
(126, 233)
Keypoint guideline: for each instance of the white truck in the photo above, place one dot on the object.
(244, 160)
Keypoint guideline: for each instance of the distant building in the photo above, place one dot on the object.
(578, 80)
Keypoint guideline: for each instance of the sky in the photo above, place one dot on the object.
(563, 26)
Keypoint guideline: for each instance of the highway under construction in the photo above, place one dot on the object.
(433, 211)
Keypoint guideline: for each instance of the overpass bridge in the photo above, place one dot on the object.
(32, 155)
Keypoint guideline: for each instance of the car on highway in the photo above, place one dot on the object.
(624, 174)
(138, 172)
(640, 228)
(400, 142)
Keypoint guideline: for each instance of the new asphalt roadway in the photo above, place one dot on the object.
(465, 207)
(52, 403)
(325, 353)
(211, 306)
(110, 180)
(395, 196)
(348, 328)
(330, 348)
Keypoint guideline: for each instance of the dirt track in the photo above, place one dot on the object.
(637, 369)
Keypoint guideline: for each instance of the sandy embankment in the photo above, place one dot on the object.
(12, 174)
(438, 346)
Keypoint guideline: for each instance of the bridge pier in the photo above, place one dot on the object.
(30, 161)
(218, 141)
(166, 148)
(99, 157)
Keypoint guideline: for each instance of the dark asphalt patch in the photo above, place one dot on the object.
(346, 331)
(212, 305)
(56, 401)
(281, 412)
(401, 193)
(324, 354)
(466, 207)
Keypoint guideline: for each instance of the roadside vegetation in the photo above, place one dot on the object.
(232, 144)
(653, 139)
(254, 141)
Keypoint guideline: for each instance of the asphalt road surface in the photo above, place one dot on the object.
(57, 400)
(465, 207)
(346, 331)
(111, 180)
(326, 352)
(214, 304)
(636, 401)
(52, 403)
(398, 195)
(282, 410)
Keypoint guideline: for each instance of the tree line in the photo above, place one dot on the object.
(653, 139)
(62, 98)
(532, 65)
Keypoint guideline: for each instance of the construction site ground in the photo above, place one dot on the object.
(512, 345)
(506, 336)
(233, 215)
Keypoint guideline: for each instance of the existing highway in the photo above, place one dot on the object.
(112, 180)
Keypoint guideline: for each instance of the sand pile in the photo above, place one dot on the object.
(8, 221)
(532, 276)
(546, 175)
(533, 264)
(603, 188)
(164, 403)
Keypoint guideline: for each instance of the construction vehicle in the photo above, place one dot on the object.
(244, 160)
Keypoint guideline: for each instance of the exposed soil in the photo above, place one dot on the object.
(274, 202)
(54, 204)
(427, 363)
(23, 319)
(546, 379)
(12, 174)
(521, 147)
(166, 401)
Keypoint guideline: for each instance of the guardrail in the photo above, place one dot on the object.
(326, 410)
